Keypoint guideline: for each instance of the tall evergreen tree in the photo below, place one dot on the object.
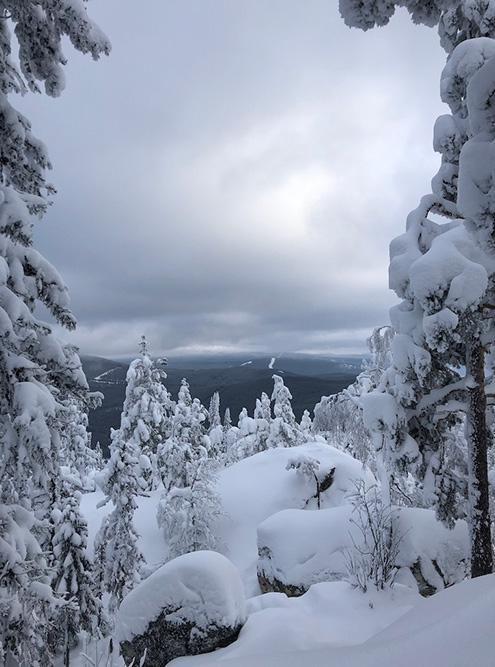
(188, 440)
(214, 411)
(116, 543)
(443, 272)
(215, 429)
(229, 435)
(71, 577)
(146, 417)
(37, 370)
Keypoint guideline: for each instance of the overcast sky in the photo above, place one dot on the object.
(231, 176)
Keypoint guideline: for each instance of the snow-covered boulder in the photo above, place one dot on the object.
(436, 556)
(192, 604)
(257, 487)
(299, 548)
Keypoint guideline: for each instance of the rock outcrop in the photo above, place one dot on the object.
(299, 548)
(193, 604)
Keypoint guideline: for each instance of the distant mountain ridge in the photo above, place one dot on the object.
(239, 381)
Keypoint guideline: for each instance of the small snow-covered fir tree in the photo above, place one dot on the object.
(306, 427)
(215, 430)
(71, 576)
(247, 441)
(284, 430)
(76, 451)
(229, 435)
(187, 513)
(117, 539)
(263, 409)
(263, 416)
(146, 416)
(214, 411)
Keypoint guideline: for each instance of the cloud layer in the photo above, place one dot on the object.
(231, 176)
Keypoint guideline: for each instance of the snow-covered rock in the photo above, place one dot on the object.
(257, 487)
(190, 605)
(437, 556)
(299, 548)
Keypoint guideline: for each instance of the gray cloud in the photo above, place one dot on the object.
(232, 175)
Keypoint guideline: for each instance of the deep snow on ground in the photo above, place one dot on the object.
(332, 624)
(454, 628)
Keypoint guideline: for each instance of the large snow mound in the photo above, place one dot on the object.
(202, 587)
(257, 487)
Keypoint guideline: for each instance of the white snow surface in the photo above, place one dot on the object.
(334, 624)
(202, 587)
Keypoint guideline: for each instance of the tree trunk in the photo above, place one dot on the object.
(477, 442)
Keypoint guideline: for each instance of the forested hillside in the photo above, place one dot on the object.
(239, 384)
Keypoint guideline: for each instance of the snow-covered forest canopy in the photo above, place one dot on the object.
(361, 534)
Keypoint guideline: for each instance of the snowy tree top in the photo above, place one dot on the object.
(39, 27)
(457, 20)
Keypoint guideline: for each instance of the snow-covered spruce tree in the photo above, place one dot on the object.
(187, 442)
(36, 369)
(444, 272)
(116, 543)
(263, 409)
(284, 430)
(215, 430)
(26, 596)
(229, 435)
(250, 438)
(306, 427)
(263, 416)
(146, 416)
(71, 572)
(189, 502)
(214, 419)
(75, 450)
(186, 514)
